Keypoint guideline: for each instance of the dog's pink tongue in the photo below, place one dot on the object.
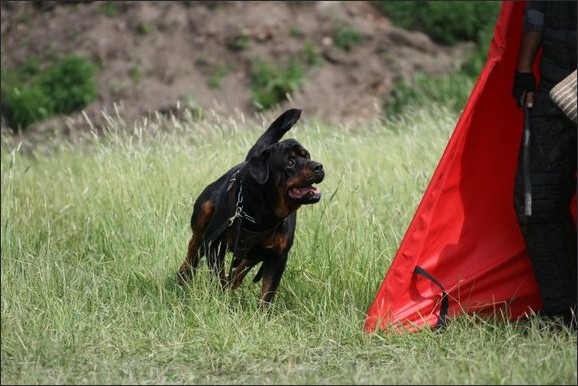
(301, 192)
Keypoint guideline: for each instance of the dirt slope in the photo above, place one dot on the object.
(153, 55)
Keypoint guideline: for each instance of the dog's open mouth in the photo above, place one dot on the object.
(305, 192)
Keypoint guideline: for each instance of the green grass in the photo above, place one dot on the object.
(93, 232)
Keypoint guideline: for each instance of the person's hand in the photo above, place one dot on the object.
(523, 89)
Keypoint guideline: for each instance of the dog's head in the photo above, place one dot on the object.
(288, 168)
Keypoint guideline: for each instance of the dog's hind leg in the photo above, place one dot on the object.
(241, 271)
(199, 220)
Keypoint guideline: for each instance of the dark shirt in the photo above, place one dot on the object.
(534, 16)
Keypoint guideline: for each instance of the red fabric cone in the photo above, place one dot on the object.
(464, 232)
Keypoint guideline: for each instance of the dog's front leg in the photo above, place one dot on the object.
(272, 271)
(241, 271)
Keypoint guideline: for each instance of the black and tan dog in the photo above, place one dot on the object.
(251, 211)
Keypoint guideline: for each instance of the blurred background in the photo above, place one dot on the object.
(65, 62)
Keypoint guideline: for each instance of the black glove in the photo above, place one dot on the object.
(523, 83)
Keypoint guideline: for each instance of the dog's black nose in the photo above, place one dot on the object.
(317, 168)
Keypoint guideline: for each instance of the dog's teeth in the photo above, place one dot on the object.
(300, 192)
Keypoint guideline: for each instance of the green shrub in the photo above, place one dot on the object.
(109, 8)
(239, 42)
(344, 37)
(474, 64)
(271, 84)
(295, 31)
(451, 90)
(70, 84)
(144, 28)
(136, 72)
(446, 22)
(311, 55)
(31, 94)
(26, 106)
(216, 76)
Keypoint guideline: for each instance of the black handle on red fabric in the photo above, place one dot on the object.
(441, 323)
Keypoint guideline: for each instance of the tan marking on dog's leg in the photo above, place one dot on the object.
(240, 272)
(268, 289)
(192, 257)
(267, 294)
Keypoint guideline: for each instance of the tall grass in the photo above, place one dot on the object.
(93, 232)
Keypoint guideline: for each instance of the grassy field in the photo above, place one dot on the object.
(93, 232)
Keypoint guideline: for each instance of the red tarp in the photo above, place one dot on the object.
(464, 232)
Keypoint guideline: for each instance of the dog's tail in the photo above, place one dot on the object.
(275, 132)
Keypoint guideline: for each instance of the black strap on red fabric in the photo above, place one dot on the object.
(441, 322)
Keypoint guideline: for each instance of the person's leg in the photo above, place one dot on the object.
(550, 232)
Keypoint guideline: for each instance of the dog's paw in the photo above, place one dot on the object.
(183, 276)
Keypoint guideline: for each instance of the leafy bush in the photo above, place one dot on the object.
(311, 55)
(345, 37)
(271, 84)
(239, 42)
(26, 106)
(70, 84)
(109, 8)
(473, 66)
(31, 94)
(446, 22)
(136, 72)
(144, 28)
(451, 90)
(216, 76)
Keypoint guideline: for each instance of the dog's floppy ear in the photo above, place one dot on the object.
(275, 132)
(258, 166)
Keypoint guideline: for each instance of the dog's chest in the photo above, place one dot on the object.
(241, 241)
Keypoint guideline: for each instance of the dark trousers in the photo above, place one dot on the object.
(550, 232)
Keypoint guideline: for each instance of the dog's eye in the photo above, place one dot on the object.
(291, 162)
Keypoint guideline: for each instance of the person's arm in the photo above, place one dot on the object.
(531, 41)
(524, 82)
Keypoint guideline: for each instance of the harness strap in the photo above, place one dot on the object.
(249, 237)
(217, 232)
(238, 209)
(235, 248)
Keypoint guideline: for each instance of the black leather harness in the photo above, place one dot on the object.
(245, 239)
